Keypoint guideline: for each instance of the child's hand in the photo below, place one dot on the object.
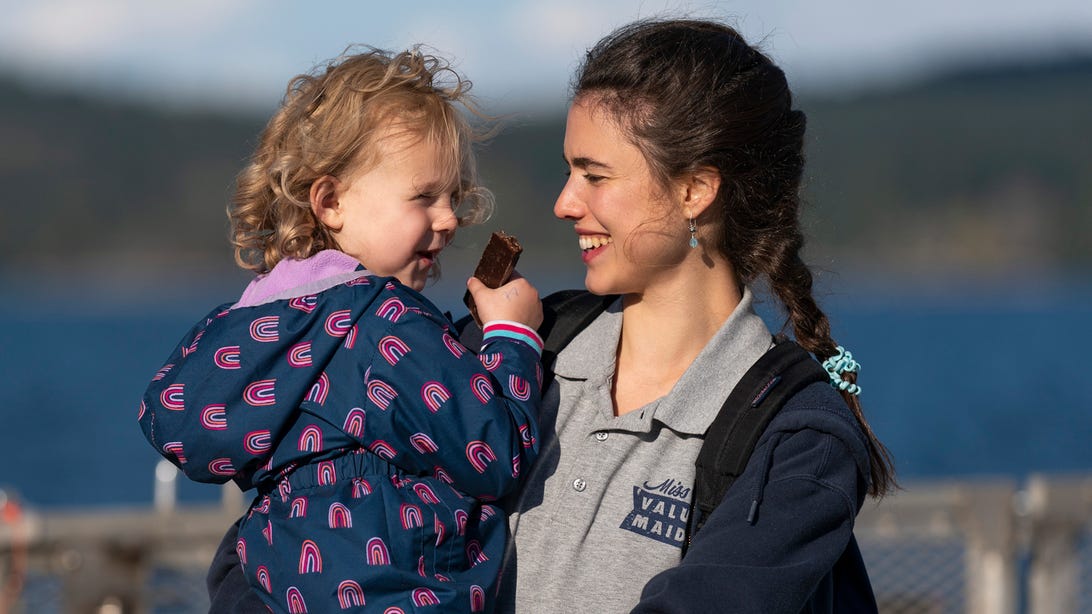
(516, 300)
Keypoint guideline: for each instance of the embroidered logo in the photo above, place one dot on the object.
(660, 512)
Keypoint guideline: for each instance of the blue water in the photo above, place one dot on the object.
(956, 382)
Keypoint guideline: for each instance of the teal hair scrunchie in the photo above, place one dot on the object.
(839, 364)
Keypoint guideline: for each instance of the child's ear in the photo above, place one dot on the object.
(324, 202)
(699, 189)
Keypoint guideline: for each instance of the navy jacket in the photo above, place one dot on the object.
(809, 476)
(374, 440)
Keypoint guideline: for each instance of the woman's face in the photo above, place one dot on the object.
(629, 232)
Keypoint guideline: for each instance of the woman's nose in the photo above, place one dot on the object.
(568, 206)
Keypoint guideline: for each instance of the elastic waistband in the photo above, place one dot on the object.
(356, 464)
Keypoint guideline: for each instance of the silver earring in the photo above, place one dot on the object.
(693, 237)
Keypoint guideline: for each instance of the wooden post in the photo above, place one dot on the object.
(986, 516)
(1058, 509)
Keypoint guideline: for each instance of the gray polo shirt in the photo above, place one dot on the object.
(605, 506)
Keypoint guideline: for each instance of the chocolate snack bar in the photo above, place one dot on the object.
(497, 263)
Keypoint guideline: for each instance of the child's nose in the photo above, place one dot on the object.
(445, 221)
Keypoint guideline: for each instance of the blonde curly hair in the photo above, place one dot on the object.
(328, 124)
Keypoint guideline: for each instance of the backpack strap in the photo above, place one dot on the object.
(564, 314)
(781, 372)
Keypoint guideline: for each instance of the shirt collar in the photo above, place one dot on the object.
(696, 398)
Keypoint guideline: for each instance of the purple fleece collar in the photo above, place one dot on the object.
(291, 278)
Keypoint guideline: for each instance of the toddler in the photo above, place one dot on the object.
(374, 440)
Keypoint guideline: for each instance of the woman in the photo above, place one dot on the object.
(685, 159)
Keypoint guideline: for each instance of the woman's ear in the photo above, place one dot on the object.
(324, 202)
(699, 189)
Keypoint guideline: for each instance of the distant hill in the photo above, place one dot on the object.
(983, 170)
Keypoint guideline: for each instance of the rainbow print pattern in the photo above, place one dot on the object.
(477, 599)
(482, 388)
(434, 395)
(339, 516)
(257, 442)
(457, 350)
(327, 473)
(381, 393)
(261, 393)
(172, 397)
(339, 323)
(214, 417)
(354, 422)
(299, 355)
(319, 390)
(310, 439)
(480, 455)
(383, 449)
(294, 598)
(393, 349)
(305, 304)
(323, 399)
(227, 357)
(350, 595)
(423, 443)
(424, 597)
(221, 466)
(263, 578)
(310, 558)
(391, 309)
(265, 329)
(377, 553)
(411, 516)
(174, 449)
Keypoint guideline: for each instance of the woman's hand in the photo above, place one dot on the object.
(516, 300)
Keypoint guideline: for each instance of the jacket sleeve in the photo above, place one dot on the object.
(434, 407)
(803, 486)
(187, 412)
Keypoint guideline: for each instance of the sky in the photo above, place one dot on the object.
(520, 54)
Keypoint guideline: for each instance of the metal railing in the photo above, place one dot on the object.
(982, 547)
(956, 547)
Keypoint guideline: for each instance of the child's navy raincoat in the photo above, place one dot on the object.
(374, 439)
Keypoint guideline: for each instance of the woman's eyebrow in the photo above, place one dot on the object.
(584, 162)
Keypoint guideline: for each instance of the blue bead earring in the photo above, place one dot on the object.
(693, 237)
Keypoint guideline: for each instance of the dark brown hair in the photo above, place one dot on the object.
(694, 94)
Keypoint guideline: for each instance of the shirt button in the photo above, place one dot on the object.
(579, 485)
(601, 436)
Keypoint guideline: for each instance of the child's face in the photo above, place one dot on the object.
(397, 215)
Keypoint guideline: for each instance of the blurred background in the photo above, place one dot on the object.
(949, 194)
